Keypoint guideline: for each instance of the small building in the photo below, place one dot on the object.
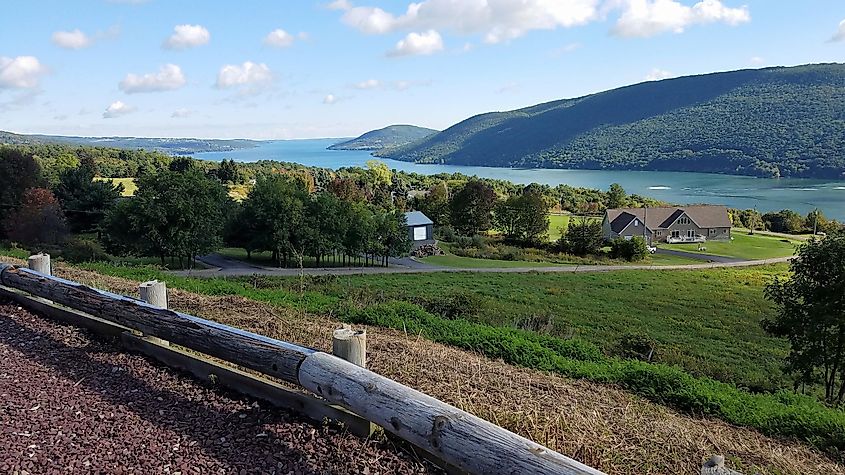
(420, 228)
(669, 224)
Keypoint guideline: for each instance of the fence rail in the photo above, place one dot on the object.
(452, 435)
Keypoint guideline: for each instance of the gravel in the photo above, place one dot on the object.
(74, 403)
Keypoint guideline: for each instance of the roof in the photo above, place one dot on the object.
(417, 218)
(705, 216)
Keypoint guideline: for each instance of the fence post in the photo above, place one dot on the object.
(350, 345)
(154, 293)
(40, 263)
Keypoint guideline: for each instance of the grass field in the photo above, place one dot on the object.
(742, 246)
(558, 222)
(129, 187)
(460, 262)
(705, 321)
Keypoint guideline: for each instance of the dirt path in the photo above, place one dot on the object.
(242, 270)
(75, 404)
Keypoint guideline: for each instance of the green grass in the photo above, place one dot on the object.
(450, 260)
(742, 246)
(558, 222)
(129, 186)
(706, 324)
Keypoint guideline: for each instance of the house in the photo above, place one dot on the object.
(669, 224)
(420, 228)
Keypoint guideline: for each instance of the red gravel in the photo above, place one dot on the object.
(73, 403)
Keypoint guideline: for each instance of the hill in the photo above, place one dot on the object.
(177, 146)
(386, 138)
(769, 122)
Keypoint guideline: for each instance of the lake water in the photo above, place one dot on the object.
(765, 194)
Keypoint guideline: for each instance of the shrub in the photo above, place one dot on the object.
(634, 249)
(445, 233)
(635, 346)
(84, 250)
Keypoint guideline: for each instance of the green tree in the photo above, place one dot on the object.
(471, 207)
(324, 226)
(583, 236)
(523, 218)
(435, 203)
(18, 172)
(38, 222)
(390, 236)
(811, 314)
(229, 172)
(784, 221)
(380, 173)
(85, 201)
(634, 249)
(616, 196)
(276, 207)
(173, 214)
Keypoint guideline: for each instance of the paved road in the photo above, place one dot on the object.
(425, 268)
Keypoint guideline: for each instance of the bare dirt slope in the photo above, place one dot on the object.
(601, 426)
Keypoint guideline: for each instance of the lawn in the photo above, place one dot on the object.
(742, 246)
(561, 221)
(450, 260)
(129, 187)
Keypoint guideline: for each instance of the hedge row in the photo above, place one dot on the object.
(781, 414)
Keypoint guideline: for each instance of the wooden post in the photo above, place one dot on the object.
(40, 263)
(350, 345)
(154, 293)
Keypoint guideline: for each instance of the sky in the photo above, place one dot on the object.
(289, 69)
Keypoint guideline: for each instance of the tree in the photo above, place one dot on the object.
(435, 203)
(583, 236)
(524, 217)
(181, 164)
(390, 237)
(38, 221)
(85, 201)
(323, 226)
(616, 196)
(229, 172)
(470, 209)
(347, 189)
(18, 172)
(784, 221)
(276, 207)
(811, 314)
(173, 214)
(380, 173)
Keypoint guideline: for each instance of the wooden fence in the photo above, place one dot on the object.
(347, 392)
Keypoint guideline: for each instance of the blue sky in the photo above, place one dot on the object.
(301, 69)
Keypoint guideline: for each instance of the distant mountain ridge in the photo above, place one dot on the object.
(180, 146)
(389, 137)
(784, 121)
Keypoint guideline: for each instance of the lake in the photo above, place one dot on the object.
(765, 194)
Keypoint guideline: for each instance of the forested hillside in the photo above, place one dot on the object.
(167, 145)
(764, 122)
(388, 137)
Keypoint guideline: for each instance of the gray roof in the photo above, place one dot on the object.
(417, 218)
(705, 216)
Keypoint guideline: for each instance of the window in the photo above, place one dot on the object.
(658, 233)
(690, 233)
(712, 231)
(683, 220)
(419, 233)
(676, 234)
(636, 222)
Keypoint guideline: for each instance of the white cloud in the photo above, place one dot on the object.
(279, 38)
(168, 78)
(75, 39)
(330, 99)
(187, 36)
(368, 84)
(840, 33)
(250, 76)
(339, 5)
(181, 113)
(645, 18)
(756, 60)
(497, 20)
(21, 72)
(657, 74)
(117, 109)
(424, 43)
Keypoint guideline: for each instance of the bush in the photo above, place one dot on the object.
(455, 305)
(445, 233)
(84, 250)
(781, 414)
(635, 346)
(634, 249)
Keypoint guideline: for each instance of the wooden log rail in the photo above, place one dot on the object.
(456, 437)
